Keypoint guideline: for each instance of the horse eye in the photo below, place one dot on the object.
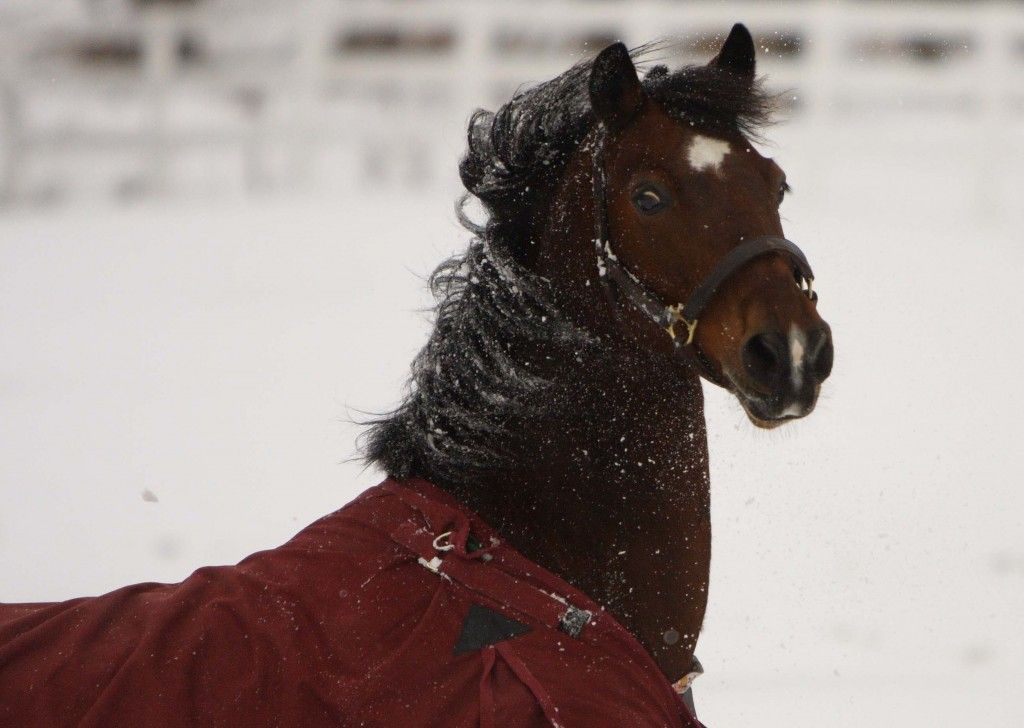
(783, 189)
(649, 200)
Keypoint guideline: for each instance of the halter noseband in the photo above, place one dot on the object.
(688, 314)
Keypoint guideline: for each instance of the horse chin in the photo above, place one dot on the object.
(751, 406)
(762, 423)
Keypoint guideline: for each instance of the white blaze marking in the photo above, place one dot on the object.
(797, 349)
(706, 153)
(793, 410)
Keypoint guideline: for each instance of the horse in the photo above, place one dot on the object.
(539, 553)
(559, 394)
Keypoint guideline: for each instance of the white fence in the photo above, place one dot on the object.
(107, 99)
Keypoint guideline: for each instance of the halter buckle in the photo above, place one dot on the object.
(675, 314)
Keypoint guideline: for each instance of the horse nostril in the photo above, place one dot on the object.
(822, 354)
(765, 357)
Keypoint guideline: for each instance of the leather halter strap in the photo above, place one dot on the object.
(612, 271)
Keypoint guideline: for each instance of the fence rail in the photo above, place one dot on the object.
(273, 86)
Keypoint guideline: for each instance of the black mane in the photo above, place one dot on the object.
(487, 366)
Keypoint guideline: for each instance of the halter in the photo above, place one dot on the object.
(668, 317)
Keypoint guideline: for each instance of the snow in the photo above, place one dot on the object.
(867, 561)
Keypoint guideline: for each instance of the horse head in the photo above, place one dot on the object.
(687, 219)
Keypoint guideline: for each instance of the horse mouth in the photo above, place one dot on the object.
(763, 414)
(766, 422)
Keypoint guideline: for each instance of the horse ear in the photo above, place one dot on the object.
(615, 91)
(737, 54)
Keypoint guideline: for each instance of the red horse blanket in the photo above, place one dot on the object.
(400, 609)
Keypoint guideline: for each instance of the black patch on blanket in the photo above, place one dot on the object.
(483, 627)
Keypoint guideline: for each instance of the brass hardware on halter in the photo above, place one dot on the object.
(809, 290)
(676, 314)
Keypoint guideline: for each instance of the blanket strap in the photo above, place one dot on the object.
(520, 670)
(487, 719)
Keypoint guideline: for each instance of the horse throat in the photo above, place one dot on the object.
(615, 499)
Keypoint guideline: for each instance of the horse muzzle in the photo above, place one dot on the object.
(782, 374)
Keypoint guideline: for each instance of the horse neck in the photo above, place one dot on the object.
(616, 499)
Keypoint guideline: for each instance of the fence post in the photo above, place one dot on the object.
(159, 58)
(11, 153)
(821, 74)
(475, 31)
(994, 58)
(12, 137)
(314, 26)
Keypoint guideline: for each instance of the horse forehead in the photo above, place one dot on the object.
(705, 153)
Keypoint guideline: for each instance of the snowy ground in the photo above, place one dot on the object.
(176, 383)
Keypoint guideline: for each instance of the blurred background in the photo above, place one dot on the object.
(215, 221)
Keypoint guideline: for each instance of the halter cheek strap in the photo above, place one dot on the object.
(616, 277)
